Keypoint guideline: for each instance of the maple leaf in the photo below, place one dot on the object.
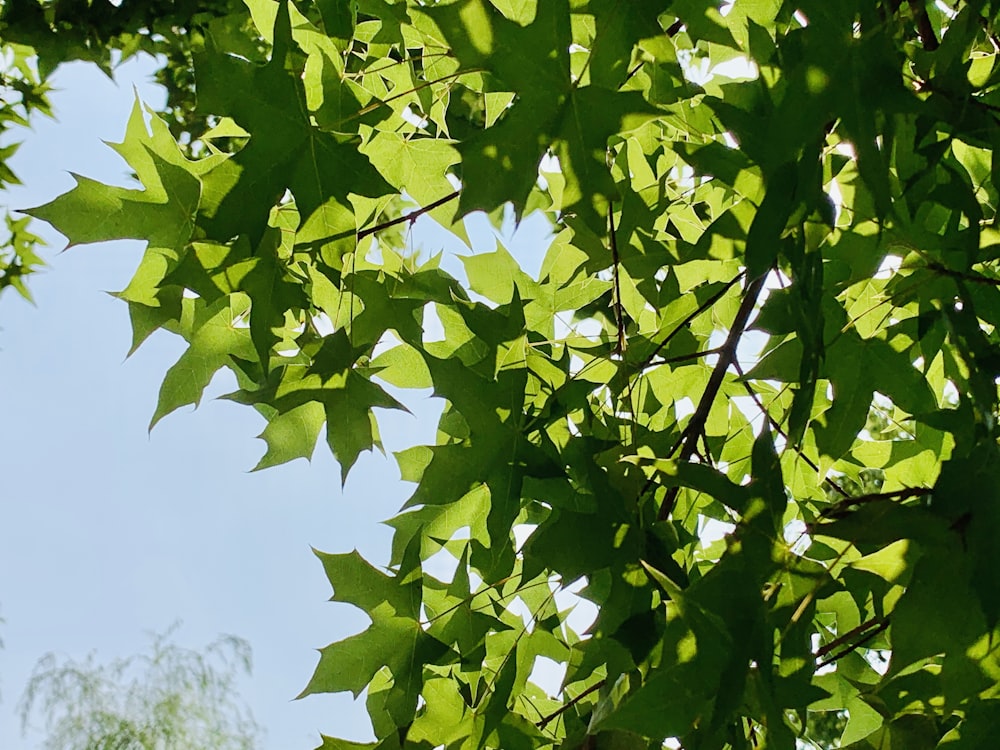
(550, 111)
(285, 152)
(161, 213)
(214, 337)
(346, 396)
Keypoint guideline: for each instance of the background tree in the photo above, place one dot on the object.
(820, 173)
(171, 698)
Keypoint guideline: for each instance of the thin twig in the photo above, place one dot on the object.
(634, 70)
(491, 687)
(688, 357)
(384, 102)
(975, 278)
(411, 217)
(672, 31)
(413, 58)
(856, 645)
(841, 640)
(688, 318)
(989, 33)
(777, 427)
(727, 356)
(616, 261)
(569, 704)
(874, 497)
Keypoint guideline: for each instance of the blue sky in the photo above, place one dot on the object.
(107, 532)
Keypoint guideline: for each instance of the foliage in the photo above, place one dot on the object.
(36, 36)
(22, 93)
(171, 698)
(830, 186)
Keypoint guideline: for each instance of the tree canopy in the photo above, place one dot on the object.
(770, 306)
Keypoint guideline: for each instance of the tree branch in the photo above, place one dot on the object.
(841, 640)
(873, 497)
(616, 261)
(881, 625)
(541, 724)
(924, 28)
(688, 318)
(412, 216)
(674, 28)
(727, 355)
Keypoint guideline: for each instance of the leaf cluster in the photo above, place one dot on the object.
(812, 180)
(23, 93)
(36, 36)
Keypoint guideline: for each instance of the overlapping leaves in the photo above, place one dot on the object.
(770, 308)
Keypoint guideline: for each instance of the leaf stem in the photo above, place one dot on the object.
(569, 704)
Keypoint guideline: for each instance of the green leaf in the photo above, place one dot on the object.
(397, 643)
(951, 625)
(291, 435)
(272, 293)
(764, 237)
(418, 166)
(977, 730)
(403, 367)
(501, 162)
(93, 212)
(346, 395)
(496, 274)
(285, 150)
(355, 581)
(215, 336)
